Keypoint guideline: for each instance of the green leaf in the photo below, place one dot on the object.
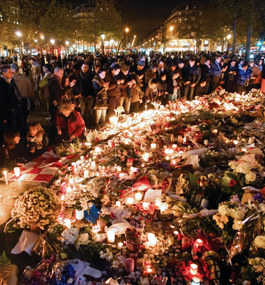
(193, 180)
(4, 260)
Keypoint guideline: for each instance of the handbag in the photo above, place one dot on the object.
(101, 104)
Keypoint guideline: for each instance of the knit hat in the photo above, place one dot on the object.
(14, 66)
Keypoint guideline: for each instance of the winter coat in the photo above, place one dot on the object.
(216, 71)
(136, 92)
(206, 73)
(114, 89)
(76, 124)
(8, 99)
(24, 85)
(257, 74)
(10, 157)
(56, 90)
(192, 74)
(84, 84)
(242, 76)
(99, 89)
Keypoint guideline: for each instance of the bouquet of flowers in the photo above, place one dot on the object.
(38, 206)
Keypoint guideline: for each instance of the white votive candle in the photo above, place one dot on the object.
(86, 173)
(130, 200)
(138, 196)
(5, 174)
(17, 171)
(111, 236)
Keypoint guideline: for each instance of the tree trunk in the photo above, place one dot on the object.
(234, 36)
(248, 42)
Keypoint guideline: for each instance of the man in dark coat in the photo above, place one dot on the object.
(84, 87)
(192, 76)
(10, 111)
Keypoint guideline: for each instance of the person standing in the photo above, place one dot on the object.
(243, 77)
(206, 73)
(100, 89)
(84, 87)
(192, 76)
(256, 74)
(114, 91)
(57, 91)
(11, 102)
(25, 90)
(230, 77)
(216, 73)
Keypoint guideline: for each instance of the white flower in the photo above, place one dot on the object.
(237, 213)
(83, 237)
(260, 241)
(70, 235)
(251, 176)
(237, 225)
(223, 210)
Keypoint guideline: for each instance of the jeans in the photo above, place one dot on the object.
(135, 106)
(127, 104)
(100, 115)
(87, 110)
(114, 103)
(188, 92)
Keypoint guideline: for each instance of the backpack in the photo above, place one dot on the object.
(44, 92)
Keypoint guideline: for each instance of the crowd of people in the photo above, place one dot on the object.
(84, 90)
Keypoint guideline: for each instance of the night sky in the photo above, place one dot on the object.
(144, 16)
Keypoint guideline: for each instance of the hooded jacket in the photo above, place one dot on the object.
(76, 124)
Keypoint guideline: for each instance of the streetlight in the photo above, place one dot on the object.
(52, 42)
(18, 34)
(42, 37)
(126, 31)
(103, 38)
(171, 28)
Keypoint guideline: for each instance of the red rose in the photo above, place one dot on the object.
(232, 183)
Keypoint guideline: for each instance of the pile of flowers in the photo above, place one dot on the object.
(39, 207)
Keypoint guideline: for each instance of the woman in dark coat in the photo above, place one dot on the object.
(114, 91)
(12, 153)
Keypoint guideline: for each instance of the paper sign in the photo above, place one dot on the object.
(120, 228)
(93, 214)
(151, 194)
(26, 242)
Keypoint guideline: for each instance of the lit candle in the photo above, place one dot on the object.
(68, 190)
(82, 157)
(120, 245)
(174, 146)
(158, 202)
(62, 197)
(215, 131)
(138, 196)
(73, 167)
(5, 174)
(97, 149)
(153, 146)
(145, 205)
(152, 239)
(146, 156)
(130, 201)
(17, 171)
(111, 236)
(119, 168)
(193, 269)
(67, 222)
(118, 203)
(93, 164)
(185, 243)
(86, 172)
(113, 120)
